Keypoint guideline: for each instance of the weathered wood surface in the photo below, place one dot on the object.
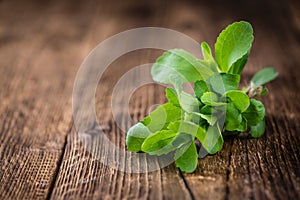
(42, 44)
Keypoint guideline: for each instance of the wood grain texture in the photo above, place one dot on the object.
(36, 82)
(41, 154)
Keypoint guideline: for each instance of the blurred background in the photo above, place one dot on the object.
(43, 43)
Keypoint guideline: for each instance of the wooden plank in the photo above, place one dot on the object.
(37, 57)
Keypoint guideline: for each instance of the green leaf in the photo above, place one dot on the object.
(200, 87)
(212, 139)
(188, 161)
(194, 117)
(136, 136)
(209, 114)
(181, 139)
(220, 83)
(162, 116)
(185, 127)
(232, 44)
(189, 103)
(233, 118)
(243, 126)
(264, 76)
(230, 81)
(208, 57)
(239, 99)
(172, 96)
(177, 82)
(258, 130)
(211, 99)
(191, 117)
(164, 142)
(254, 113)
(159, 142)
(211, 119)
(239, 65)
(180, 65)
(180, 151)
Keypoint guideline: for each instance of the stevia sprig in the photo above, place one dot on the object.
(217, 106)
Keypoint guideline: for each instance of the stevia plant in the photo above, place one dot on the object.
(216, 109)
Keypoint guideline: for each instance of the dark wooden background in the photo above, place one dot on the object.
(43, 43)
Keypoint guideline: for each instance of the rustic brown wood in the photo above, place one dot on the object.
(41, 47)
(37, 58)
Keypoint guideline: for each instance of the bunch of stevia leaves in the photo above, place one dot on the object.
(217, 107)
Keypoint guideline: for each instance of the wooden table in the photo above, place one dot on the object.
(42, 45)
